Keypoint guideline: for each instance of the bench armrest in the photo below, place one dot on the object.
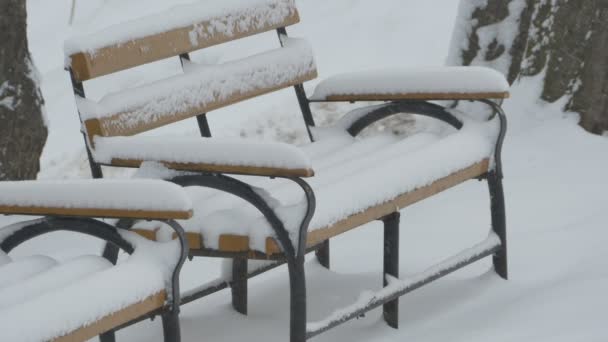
(136, 199)
(443, 83)
(215, 155)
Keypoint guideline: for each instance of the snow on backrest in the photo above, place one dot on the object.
(199, 90)
(179, 30)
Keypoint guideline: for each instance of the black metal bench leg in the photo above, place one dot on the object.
(297, 284)
(110, 253)
(391, 265)
(499, 225)
(109, 336)
(322, 254)
(171, 329)
(239, 285)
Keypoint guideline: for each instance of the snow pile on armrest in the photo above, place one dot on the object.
(197, 150)
(125, 194)
(246, 13)
(442, 80)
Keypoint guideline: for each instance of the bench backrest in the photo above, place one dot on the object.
(176, 33)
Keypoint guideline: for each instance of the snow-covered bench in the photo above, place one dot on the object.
(42, 299)
(342, 181)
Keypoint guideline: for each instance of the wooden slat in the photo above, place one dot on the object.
(95, 212)
(106, 60)
(230, 169)
(374, 213)
(113, 320)
(415, 96)
(115, 125)
(193, 239)
(237, 243)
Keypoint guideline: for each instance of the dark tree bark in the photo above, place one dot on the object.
(567, 39)
(22, 129)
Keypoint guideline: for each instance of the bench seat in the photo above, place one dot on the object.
(442, 83)
(356, 181)
(94, 296)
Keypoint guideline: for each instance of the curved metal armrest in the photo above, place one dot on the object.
(248, 193)
(502, 117)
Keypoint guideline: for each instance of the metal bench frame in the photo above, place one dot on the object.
(294, 255)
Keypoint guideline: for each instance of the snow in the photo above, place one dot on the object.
(225, 18)
(51, 278)
(204, 85)
(503, 34)
(215, 151)
(70, 285)
(152, 195)
(7, 101)
(440, 80)
(14, 272)
(4, 259)
(555, 187)
(396, 285)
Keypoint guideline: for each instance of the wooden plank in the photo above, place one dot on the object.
(414, 96)
(231, 169)
(115, 125)
(237, 243)
(374, 213)
(113, 320)
(106, 60)
(96, 212)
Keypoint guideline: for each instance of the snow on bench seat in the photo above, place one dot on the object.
(16, 271)
(356, 181)
(178, 30)
(151, 199)
(202, 89)
(205, 154)
(4, 259)
(49, 278)
(79, 299)
(443, 83)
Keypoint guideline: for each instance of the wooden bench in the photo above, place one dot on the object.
(346, 182)
(42, 299)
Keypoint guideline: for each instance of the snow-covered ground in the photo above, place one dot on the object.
(555, 184)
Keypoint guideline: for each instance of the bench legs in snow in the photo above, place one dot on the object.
(239, 285)
(499, 227)
(171, 328)
(390, 310)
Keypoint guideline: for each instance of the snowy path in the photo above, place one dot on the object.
(555, 190)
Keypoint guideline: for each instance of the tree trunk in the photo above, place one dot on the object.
(22, 129)
(566, 39)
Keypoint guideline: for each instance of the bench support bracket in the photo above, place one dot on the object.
(322, 254)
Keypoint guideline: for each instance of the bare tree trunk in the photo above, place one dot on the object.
(22, 129)
(566, 39)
